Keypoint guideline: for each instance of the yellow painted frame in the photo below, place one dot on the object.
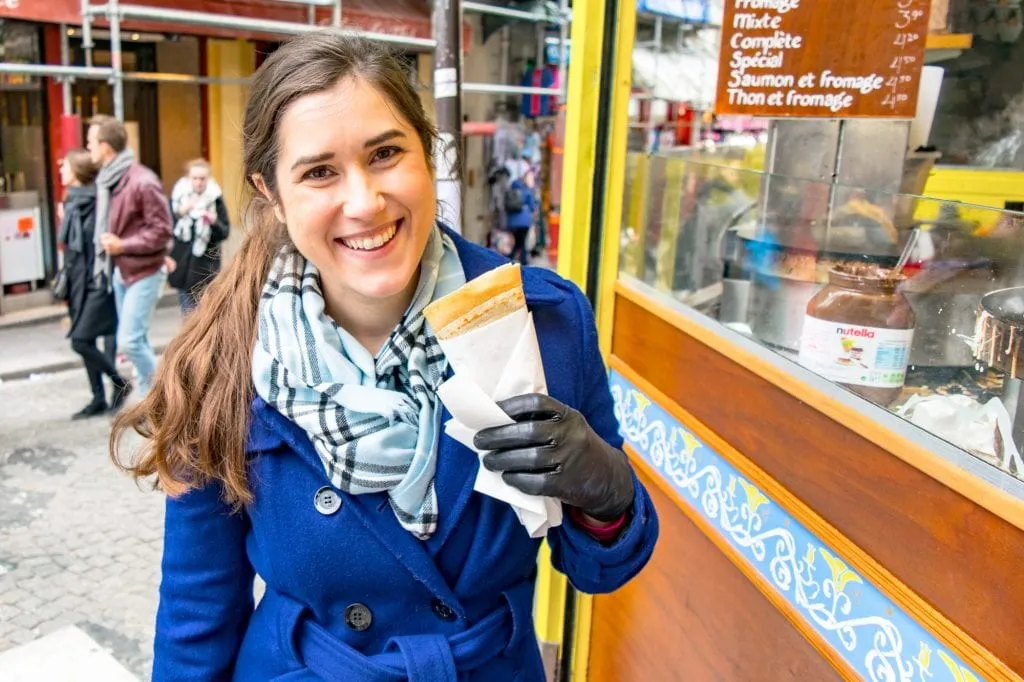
(582, 98)
(611, 230)
(580, 139)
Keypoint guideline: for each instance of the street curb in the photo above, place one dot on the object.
(166, 300)
(53, 367)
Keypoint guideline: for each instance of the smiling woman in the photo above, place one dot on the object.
(355, 188)
(295, 422)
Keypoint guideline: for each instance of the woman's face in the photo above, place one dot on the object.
(67, 178)
(199, 176)
(356, 192)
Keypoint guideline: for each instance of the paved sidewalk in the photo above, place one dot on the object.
(43, 347)
(80, 542)
(67, 655)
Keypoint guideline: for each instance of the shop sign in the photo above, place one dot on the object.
(59, 11)
(822, 58)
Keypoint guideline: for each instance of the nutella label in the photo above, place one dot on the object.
(855, 355)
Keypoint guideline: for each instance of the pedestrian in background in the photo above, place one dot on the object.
(520, 209)
(201, 225)
(91, 306)
(296, 422)
(133, 231)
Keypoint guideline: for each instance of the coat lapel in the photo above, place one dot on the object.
(372, 510)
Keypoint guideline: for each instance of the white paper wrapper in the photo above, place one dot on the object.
(968, 424)
(497, 361)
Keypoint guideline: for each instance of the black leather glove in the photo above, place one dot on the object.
(552, 451)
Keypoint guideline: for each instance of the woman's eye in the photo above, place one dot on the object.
(318, 173)
(385, 154)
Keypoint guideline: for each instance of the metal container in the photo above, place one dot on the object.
(777, 309)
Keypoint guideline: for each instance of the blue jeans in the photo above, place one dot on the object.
(135, 307)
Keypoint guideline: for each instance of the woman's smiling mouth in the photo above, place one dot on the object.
(372, 241)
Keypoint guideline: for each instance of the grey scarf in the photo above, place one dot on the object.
(106, 181)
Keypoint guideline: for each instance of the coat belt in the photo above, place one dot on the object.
(418, 658)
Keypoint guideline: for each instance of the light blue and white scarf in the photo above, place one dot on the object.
(375, 422)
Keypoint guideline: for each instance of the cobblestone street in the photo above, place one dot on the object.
(79, 541)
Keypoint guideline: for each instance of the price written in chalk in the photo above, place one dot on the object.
(908, 17)
(823, 58)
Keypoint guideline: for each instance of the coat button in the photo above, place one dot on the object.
(442, 610)
(358, 617)
(327, 501)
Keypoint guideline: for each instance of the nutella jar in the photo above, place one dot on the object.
(858, 331)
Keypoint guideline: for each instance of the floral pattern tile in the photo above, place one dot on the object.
(868, 630)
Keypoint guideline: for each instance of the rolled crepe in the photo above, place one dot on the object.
(488, 337)
(490, 297)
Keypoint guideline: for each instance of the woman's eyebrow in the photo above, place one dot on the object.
(309, 160)
(383, 137)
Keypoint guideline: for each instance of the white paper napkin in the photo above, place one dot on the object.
(497, 361)
(968, 424)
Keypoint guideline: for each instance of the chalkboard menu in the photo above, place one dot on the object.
(822, 58)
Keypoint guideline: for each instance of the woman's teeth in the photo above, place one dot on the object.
(372, 243)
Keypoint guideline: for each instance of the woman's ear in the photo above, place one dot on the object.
(261, 186)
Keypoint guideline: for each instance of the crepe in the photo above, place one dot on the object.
(487, 298)
(487, 335)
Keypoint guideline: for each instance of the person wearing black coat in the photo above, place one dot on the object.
(90, 305)
(201, 216)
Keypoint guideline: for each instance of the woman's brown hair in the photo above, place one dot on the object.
(81, 165)
(195, 419)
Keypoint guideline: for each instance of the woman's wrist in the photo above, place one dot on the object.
(601, 530)
(598, 523)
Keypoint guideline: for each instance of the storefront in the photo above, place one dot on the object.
(26, 234)
(835, 460)
(183, 94)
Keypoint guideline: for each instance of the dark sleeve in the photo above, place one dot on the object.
(156, 230)
(65, 227)
(206, 592)
(222, 228)
(592, 566)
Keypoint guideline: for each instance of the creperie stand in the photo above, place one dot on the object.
(826, 441)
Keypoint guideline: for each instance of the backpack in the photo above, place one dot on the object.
(514, 200)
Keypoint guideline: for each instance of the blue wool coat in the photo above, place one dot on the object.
(350, 595)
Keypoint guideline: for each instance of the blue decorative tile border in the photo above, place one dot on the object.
(867, 629)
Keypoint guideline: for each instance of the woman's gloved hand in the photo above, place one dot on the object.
(552, 451)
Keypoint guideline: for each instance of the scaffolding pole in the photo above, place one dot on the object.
(498, 11)
(54, 71)
(563, 36)
(446, 28)
(234, 23)
(65, 60)
(114, 17)
(87, 32)
(499, 89)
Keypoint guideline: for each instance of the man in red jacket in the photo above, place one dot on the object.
(133, 232)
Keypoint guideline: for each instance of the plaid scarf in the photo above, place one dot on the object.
(374, 422)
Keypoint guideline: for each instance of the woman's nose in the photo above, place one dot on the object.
(362, 199)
